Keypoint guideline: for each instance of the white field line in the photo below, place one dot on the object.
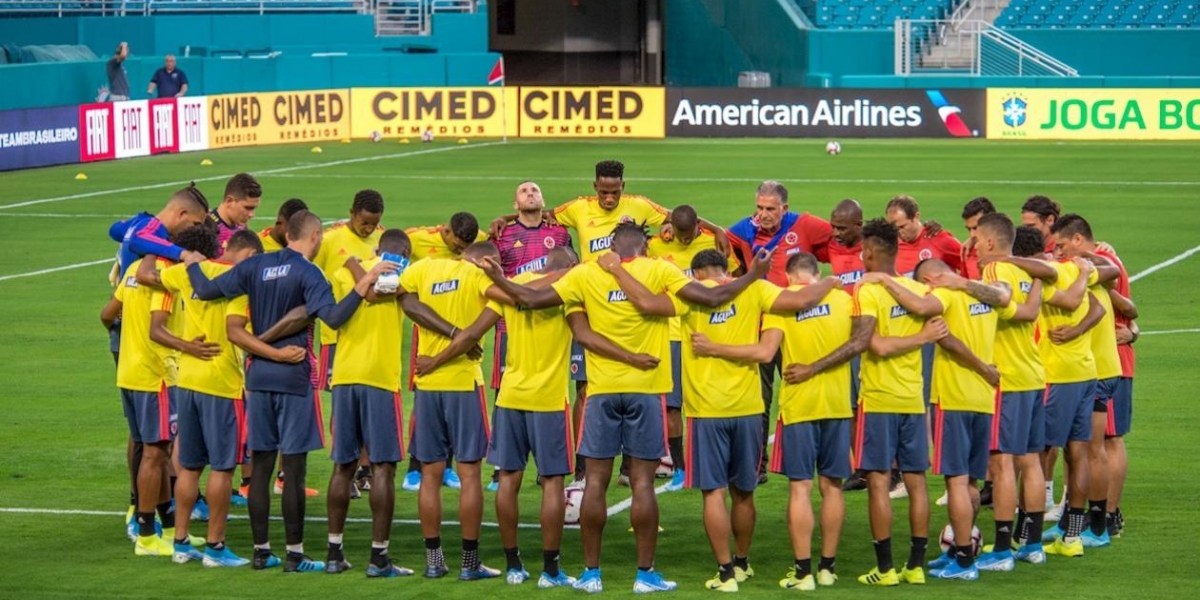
(1170, 332)
(511, 178)
(57, 269)
(155, 186)
(1164, 264)
(111, 513)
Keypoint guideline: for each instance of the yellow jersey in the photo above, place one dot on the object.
(142, 362)
(717, 387)
(681, 256)
(1104, 337)
(427, 242)
(1016, 350)
(595, 225)
(956, 386)
(455, 290)
(369, 343)
(539, 352)
(809, 336)
(588, 287)
(223, 376)
(1073, 361)
(339, 244)
(892, 384)
(268, 242)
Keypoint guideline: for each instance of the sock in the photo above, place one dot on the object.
(184, 541)
(803, 567)
(1049, 493)
(216, 547)
(512, 556)
(828, 563)
(1065, 495)
(1019, 534)
(741, 562)
(1075, 523)
(883, 554)
(295, 548)
(166, 514)
(335, 547)
(470, 554)
(675, 446)
(1063, 520)
(964, 555)
(363, 472)
(145, 523)
(263, 547)
(335, 539)
(495, 475)
(133, 499)
(379, 554)
(1097, 510)
(916, 555)
(725, 571)
(1004, 534)
(1033, 527)
(987, 488)
(245, 482)
(433, 552)
(550, 562)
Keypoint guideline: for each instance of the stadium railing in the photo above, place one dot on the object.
(121, 8)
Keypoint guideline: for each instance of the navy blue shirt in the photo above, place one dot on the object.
(276, 283)
(169, 84)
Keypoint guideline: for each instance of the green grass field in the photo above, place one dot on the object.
(63, 434)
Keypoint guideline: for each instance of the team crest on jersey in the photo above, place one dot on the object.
(601, 244)
(1026, 286)
(277, 272)
(444, 287)
(980, 308)
(850, 278)
(617, 296)
(533, 265)
(816, 311)
(548, 242)
(899, 311)
(723, 316)
(925, 254)
(791, 238)
(131, 282)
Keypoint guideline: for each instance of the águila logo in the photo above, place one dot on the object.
(951, 115)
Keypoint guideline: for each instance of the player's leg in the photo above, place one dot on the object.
(550, 438)
(148, 414)
(347, 423)
(192, 455)
(300, 432)
(675, 419)
(509, 452)
(1096, 534)
(499, 356)
(833, 466)
(223, 443)
(877, 440)
(643, 433)
(578, 368)
(1029, 469)
(262, 438)
(430, 444)
(383, 432)
(912, 458)
(1079, 397)
(766, 374)
(1118, 459)
(718, 528)
(466, 421)
(1009, 436)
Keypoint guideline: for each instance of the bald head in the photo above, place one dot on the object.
(684, 221)
(847, 222)
(559, 258)
(928, 267)
(480, 250)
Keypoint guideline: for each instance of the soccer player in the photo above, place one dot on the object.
(964, 383)
(813, 428)
(209, 412)
(1040, 213)
(687, 241)
(142, 377)
(283, 412)
(915, 244)
(274, 238)
(845, 260)
(972, 212)
(242, 194)
(900, 313)
(625, 408)
(532, 414)
(1122, 402)
(524, 244)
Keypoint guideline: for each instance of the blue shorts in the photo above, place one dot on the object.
(1019, 425)
(1121, 417)
(1069, 412)
(887, 438)
(445, 421)
(210, 430)
(961, 440)
(1105, 389)
(675, 398)
(633, 424)
(151, 415)
(547, 435)
(927, 372)
(724, 452)
(365, 415)
(578, 364)
(325, 368)
(288, 423)
(824, 444)
(499, 355)
(855, 384)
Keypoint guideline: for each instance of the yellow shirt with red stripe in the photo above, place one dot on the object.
(539, 352)
(1016, 351)
(681, 256)
(1073, 361)
(142, 363)
(223, 376)
(369, 343)
(717, 387)
(455, 290)
(956, 386)
(239, 306)
(588, 287)
(807, 337)
(338, 244)
(595, 225)
(175, 322)
(268, 242)
(892, 384)
(427, 242)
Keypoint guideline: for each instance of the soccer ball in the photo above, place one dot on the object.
(666, 468)
(947, 540)
(574, 503)
(833, 148)
(427, 135)
(375, 136)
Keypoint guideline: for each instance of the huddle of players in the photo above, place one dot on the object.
(619, 306)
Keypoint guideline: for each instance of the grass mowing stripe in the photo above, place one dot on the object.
(747, 180)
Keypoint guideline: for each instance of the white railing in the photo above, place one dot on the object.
(946, 47)
(414, 17)
(120, 8)
(62, 9)
(977, 10)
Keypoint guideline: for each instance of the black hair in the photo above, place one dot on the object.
(192, 194)
(200, 238)
(464, 226)
(882, 235)
(1028, 241)
(395, 240)
(481, 249)
(978, 206)
(904, 203)
(611, 169)
(928, 263)
(290, 207)
(1042, 206)
(243, 185)
(301, 224)
(1071, 224)
(999, 225)
(629, 229)
(802, 261)
(369, 201)
(244, 238)
(685, 216)
(709, 258)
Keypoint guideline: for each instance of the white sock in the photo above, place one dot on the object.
(335, 539)
(383, 544)
(266, 546)
(297, 548)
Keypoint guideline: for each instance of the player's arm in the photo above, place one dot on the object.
(146, 241)
(426, 318)
(995, 293)
(1032, 307)
(718, 233)
(1065, 333)
(1123, 306)
(197, 347)
(295, 321)
(524, 295)
(805, 298)
(110, 313)
(595, 343)
(1127, 335)
(464, 341)
(1038, 269)
(116, 231)
(336, 315)
(762, 352)
(1073, 296)
(712, 297)
(886, 346)
(226, 285)
(645, 301)
(1106, 272)
(922, 306)
(147, 273)
(963, 355)
(235, 328)
(499, 223)
(861, 331)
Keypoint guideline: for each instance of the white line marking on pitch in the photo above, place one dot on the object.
(56, 269)
(154, 186)
(750, 180)
(110, 513)
(1170, 331)
(1164, 264)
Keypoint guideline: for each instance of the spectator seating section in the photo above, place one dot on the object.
(1101, 14)
(872, 14)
